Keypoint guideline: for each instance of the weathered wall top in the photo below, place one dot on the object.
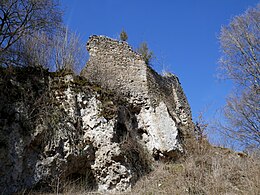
(111, 46)
(114, 65)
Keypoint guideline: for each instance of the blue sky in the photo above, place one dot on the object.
(181, 33)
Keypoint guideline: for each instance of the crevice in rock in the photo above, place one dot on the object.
(120, 132)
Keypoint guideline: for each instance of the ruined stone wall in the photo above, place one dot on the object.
(114, 65)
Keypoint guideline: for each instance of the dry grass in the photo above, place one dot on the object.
(206, 170)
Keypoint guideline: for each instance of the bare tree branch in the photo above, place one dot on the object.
(240, 42)
(20, 18)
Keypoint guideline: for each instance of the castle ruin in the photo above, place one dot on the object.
(114, 65)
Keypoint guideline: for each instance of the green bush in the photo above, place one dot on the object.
(123, 36)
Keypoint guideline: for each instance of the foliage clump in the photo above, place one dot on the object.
(145, 52)
(123, 35)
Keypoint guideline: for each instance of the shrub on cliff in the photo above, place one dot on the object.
(123, 36)
(145, 52)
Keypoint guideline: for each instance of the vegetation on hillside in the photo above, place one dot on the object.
(206, 170)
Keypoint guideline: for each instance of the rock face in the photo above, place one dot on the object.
(164, 111)
(105, 129)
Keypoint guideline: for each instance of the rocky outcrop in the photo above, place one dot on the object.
(59, 129)
(105, 128)
(164, 116)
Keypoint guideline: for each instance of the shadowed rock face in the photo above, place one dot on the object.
(78, 132)
(55, 128)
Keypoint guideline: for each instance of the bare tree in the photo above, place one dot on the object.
(69, 52)
(35, 50)
(23, 17)
(63, 50)
(240, 43)
(242, 114)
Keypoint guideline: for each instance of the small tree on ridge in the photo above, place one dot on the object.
(123, 36)
(144, 51)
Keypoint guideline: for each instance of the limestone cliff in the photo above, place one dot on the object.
(106, 127)
(164, 114)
